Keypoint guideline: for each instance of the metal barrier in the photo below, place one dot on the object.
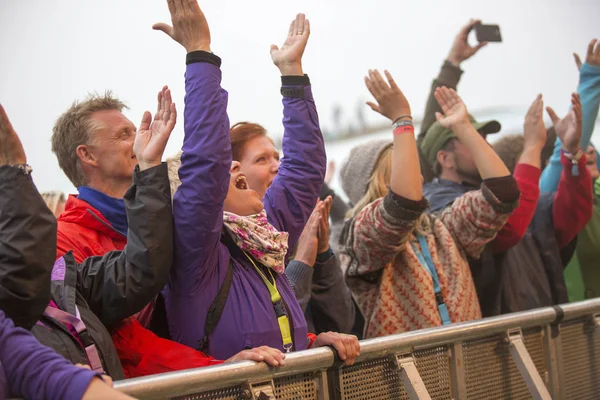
(542, 354)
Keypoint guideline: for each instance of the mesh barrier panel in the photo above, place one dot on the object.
(233, 393)
(534, 341)
(434, 367)
(296, 387)
(580, 359)
(375, 379)
(490, 372)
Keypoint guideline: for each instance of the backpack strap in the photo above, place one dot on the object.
(216, 308)
(88, 344)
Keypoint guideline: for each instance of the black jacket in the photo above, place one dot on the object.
(27, 248)
(110, 288)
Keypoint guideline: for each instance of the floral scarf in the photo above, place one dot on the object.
(256, 236)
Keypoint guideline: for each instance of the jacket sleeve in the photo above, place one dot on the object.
(573, 202)
(204, 175)
(449, 76)
(332, 305)
(296, 188)
(27, 248)
(380, 231)
(475, 218)
(121, 283)
(527, 178)
(589, 90)
(300, 276)
(35, 371)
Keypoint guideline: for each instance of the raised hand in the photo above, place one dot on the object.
(461, 49)
(568, 129)
(593, 54)
(323, 235)
(11, 149)
(391, 102)
(190, 28)
(308, 244)
(455, 111)
(152, 135)
(288, 58)
(534, 131)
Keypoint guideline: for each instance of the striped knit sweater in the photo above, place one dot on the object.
(392, 289)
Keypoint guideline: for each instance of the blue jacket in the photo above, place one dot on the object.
(201, 259)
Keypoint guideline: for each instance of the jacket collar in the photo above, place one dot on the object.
(82, 213)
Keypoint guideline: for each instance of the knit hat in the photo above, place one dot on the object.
(437, 136)
(359, 167)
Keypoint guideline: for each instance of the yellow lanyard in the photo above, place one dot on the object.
(278, 306)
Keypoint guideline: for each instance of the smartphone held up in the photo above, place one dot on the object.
(487, 33)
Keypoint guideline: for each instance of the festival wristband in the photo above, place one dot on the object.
(404, 129)
(402, 123)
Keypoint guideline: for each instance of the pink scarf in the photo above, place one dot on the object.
(256, 236)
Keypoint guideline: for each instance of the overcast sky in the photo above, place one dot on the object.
(53, 52)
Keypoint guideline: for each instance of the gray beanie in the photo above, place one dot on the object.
(359, 167)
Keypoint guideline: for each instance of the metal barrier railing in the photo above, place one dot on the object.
(545, 353)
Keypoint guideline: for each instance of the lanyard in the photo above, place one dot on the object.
(426, 262)
(89, 346)
(278, 306)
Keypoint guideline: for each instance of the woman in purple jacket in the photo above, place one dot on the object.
(246, 259)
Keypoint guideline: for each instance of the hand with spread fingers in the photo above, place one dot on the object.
(461, 49)
(347, 346)
(568, 129)
(190, 28)
(288, 58)
(152, 135)
(593, 54)
(269, 355)
(391, 102)
(455, 111)
(11, 149)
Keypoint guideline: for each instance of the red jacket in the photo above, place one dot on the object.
(82, 229)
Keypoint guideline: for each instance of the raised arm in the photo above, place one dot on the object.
(573, 201)
(120, 284)
(206, 158)
(290, 199)
(381, 229)
(527, 174)
(450, 73)
(476, 217)
(28, 235)
(589, 91)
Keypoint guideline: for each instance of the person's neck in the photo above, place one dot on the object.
(453, 176)
(116, 189)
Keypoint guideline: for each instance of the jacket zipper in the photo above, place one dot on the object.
(104, 223)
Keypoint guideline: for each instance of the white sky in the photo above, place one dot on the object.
(53, 52)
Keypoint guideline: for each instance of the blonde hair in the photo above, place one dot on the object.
(173, 165)
(378, 186)
(53, 198)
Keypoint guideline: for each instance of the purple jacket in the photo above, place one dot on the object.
(201, 260)
(32, 370)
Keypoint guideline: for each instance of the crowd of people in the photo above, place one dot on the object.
(226, 253)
